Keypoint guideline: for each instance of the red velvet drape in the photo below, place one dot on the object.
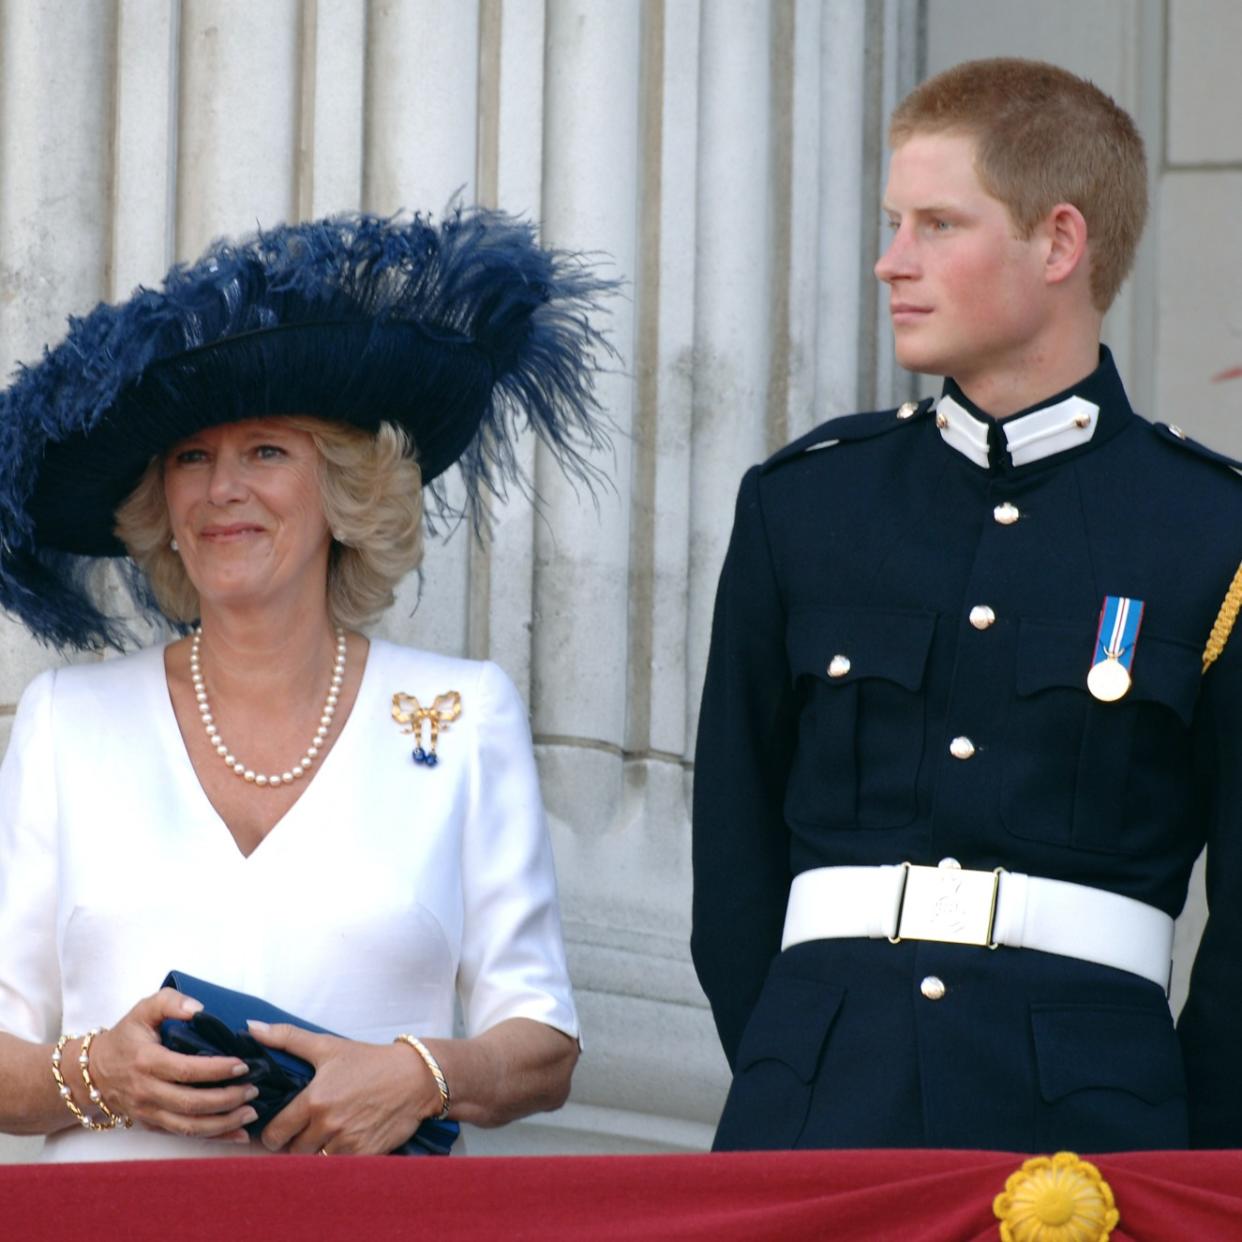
(859, 1196)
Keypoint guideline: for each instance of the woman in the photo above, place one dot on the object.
(273, 802)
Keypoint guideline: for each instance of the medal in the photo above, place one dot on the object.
(1109, 677)
(1108, 680)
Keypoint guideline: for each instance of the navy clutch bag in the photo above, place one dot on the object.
(219, 1030)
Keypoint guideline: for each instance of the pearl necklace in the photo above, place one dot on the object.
(300, 768)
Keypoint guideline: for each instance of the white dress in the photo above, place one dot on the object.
(387, 889)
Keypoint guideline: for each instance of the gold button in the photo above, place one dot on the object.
(1177, 431)
(838, 666)
(981, 616)
(932, 987)
(907, 409)
(1082, 420)
(961, 748)
(942, 420)
(1006, 514)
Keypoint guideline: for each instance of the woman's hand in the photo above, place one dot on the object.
(365, 1099)
(137, 1076)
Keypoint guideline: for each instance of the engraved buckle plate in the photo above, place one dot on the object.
(948, 904)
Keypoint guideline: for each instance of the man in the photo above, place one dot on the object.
(967, 636)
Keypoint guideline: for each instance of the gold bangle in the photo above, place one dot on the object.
(434, 1066)
(65, 1094)
(84, 1063)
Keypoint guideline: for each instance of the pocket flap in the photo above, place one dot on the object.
(1115, 1047)
(877, 642)
(789, 1024)
(1057, 655)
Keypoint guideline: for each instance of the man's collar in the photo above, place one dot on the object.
(1087, 413)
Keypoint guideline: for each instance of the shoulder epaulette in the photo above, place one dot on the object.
(1170, 433)
(849, 429)
(1227, 616)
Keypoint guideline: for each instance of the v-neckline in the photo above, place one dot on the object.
(312, 780)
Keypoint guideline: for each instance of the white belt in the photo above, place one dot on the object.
(986, 908)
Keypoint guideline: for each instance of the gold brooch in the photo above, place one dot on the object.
(410, 714)
(1056, 1199)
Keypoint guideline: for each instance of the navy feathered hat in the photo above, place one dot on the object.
(458, 332)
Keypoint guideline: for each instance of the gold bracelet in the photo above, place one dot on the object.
(84, 1062)
(434, 1066)
(65, 1094)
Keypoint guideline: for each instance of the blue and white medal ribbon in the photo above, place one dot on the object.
(1115, 641)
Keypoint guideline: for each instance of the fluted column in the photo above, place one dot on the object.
(843, 261)
(239, 102)
(143, 216)
(332, 106)
(579, 656)
(511, 101)
(56, 110)
(733, 291)
(422, 117)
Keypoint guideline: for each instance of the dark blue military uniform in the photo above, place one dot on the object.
(963, 589)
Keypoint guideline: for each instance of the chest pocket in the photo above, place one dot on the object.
(1092, 775)
(859, 677)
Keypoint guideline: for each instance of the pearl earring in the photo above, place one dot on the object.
(174, 545)
(337, 537)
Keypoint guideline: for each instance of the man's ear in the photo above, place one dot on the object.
(1066, 232)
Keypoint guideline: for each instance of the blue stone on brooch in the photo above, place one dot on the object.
(411, 715)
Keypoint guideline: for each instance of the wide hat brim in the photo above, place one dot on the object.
(360, 374)
(460, 333)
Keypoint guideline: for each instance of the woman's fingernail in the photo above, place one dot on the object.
(248, 1115)
(243, 1137)
(255, 1025)
(251, 1092)
(191, 1007)
(239, 1069)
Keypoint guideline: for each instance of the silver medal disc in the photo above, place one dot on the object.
(1108, 680)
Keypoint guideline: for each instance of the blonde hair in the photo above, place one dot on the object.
(1043, 136)
(371, 489)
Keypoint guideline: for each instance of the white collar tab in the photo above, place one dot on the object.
(1042, 433)
(961, 430)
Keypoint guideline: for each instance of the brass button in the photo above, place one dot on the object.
(961, 748)
(933, 988)
(981, 616)
(1082, 420)
(1177, 431)
(838, 666)
(907, 409)
(942, 420)
(1006, 514)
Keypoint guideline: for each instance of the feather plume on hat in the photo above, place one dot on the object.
(461, 332)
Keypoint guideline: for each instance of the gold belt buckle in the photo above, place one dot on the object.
(948, 904)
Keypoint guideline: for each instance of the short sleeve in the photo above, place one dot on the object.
(513, 955)
(30, 1002)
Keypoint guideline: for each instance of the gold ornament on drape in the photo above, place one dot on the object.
(1056, 1199)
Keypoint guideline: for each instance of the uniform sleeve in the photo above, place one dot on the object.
(745, 743)
(513, 955)
(29, 969)
(1210, 1026)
